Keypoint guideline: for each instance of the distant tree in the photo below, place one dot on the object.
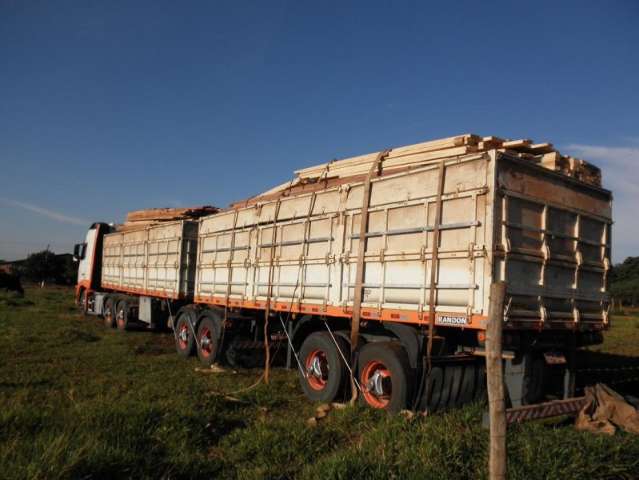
(46, 266)
(624, 281)
(41, 267)
(69, 270)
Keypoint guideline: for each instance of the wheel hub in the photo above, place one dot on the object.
(377, 384)
(316, 368)
(183, 335)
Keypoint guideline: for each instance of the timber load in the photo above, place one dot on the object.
(138, 219)
(420, 154)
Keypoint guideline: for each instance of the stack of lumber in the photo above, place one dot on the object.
(153, 216)
(419, 154)
(356, 168)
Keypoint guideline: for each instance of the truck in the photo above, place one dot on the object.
(374, 273)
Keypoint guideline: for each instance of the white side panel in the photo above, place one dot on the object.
(313, 248)
(157, 260)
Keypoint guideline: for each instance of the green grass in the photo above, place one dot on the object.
(80, 401)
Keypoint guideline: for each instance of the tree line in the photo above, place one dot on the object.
(45, 267)
(624, 282)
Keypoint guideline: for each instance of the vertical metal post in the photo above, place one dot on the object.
(434, 263)
(267, 310)
(363, 229)
(289, 352)
(495, 377)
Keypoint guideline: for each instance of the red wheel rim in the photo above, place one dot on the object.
(317, 369)
(206, 342)
(120, 317)
(376, 384)
(183, 336)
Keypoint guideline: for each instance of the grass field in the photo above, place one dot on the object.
(80, 401)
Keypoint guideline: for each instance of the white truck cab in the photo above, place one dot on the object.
(88, 262)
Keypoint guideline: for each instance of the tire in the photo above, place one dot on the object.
(534, 380)
(434, 390)
(209, 331)
(122, 315)
(326, 372)
(385, 376)
(108, 312)
(468, 387)
(184, 328)
(452, 386)
(82, 301)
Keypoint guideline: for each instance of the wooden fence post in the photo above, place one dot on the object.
(495, 380)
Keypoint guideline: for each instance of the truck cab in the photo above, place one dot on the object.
(89, 263)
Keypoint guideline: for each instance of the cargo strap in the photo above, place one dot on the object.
(290, 345)
(434, 264)
(363, 229)
(343, 355)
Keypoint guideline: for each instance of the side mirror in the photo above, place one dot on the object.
(79, 250)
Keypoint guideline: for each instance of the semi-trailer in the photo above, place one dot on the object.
(374, 272)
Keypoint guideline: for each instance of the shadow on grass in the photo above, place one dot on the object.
(621, 372)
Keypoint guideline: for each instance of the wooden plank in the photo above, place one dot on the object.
(489, 144)
(166, 214)
(514, 144)
(395, 162)
(492, 138)
(451, 142)
(539, 148)
(433, 145)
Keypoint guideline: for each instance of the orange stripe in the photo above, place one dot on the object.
(476, 322)
(142, 291)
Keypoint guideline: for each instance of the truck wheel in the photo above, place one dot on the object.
(325, 370)
(451, 386)
(208, 339)
(82, 301)
(534, 380)
(122, 315)
(184, 338)
(384, 376)
(109, 312)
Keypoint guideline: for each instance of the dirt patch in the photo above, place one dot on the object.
(73, 335)
(152, 348)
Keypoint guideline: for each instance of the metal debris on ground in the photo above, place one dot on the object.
(215, 368)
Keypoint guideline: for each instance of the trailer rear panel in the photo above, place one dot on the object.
(553, 247)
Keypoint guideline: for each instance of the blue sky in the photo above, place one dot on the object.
(111, 106)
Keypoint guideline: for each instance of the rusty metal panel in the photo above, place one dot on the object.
(156, 260)
(553, 247)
